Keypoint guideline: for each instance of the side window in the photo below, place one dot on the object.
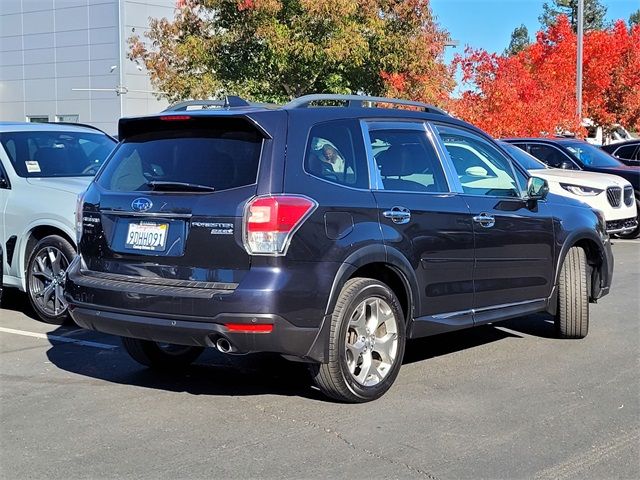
(625, 152)
(406, 161)
(335, 153)
(550, 155)
(481, 167)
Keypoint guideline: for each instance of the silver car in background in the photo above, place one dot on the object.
(43, 168)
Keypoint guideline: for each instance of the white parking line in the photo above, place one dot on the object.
(622, 242)
(84, 343)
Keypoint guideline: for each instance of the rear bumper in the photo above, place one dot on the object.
(285, 338)
(292, 299)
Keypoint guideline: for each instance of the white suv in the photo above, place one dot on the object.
(591, 188)
(43, 168)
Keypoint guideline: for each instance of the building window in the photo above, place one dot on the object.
(68, 118)
(37, 118)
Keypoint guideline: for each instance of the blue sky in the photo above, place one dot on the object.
(488, 23)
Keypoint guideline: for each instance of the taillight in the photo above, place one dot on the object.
(270, 222)
(79, 215)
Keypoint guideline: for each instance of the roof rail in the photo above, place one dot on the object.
(229, 101)
(357, 101)
(76, 124)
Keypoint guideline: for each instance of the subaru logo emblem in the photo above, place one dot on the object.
(141, 204)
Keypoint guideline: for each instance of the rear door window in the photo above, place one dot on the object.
(218, 158)
(406, 161)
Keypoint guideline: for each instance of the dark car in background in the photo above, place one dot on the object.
(329, 234)
(573, 154)
(627, 152)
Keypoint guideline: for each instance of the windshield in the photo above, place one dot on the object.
(184, 160)
(591, 156)
(56, 154)
(523, 158)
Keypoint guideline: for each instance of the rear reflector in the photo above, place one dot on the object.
(172, 118)
(249, 327)
(271, 221)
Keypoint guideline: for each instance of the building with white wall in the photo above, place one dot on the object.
(48, 48)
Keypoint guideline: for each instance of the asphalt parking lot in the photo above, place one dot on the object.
(502, 401)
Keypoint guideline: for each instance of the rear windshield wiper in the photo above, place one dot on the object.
(178, 187)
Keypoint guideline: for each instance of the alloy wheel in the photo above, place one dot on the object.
(46, 279)
(371, 341)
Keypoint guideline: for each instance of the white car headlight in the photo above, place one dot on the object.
(581, 190)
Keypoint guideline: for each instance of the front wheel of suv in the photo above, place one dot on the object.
(162, 356)
(366, 343)
(572, 317)
(45, 278)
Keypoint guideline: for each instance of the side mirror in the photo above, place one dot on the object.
(537, 188)
(566, 165)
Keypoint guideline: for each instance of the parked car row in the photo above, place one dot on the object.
(329, 235)
(43, 169)
(588, 173)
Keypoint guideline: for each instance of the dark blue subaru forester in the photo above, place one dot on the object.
(330, 230)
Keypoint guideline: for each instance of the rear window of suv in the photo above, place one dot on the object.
(217, 158)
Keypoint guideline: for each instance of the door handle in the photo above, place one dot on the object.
(485, 220)
(399, 215)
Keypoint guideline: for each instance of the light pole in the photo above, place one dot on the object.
(579, 60)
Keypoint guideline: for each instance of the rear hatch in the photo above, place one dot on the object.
(167, 208)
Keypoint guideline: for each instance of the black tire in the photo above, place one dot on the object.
(572, 317)
(161, 356)
(52, 311)
(334, 378)
(634, 233)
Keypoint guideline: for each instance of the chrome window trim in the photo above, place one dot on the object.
(445, 159)
(375, 181)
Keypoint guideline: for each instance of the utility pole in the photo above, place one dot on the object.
(579, 60)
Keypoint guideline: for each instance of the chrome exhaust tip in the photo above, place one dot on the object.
(223, 345)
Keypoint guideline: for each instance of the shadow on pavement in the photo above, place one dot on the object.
(256, 374)
(17, 301)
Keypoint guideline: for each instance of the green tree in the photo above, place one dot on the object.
(274, 50)
(519, 40)
(594, 14)
(634, 18)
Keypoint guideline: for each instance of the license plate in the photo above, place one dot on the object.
(147, 236)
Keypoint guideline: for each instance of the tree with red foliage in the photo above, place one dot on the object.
(533, 92)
